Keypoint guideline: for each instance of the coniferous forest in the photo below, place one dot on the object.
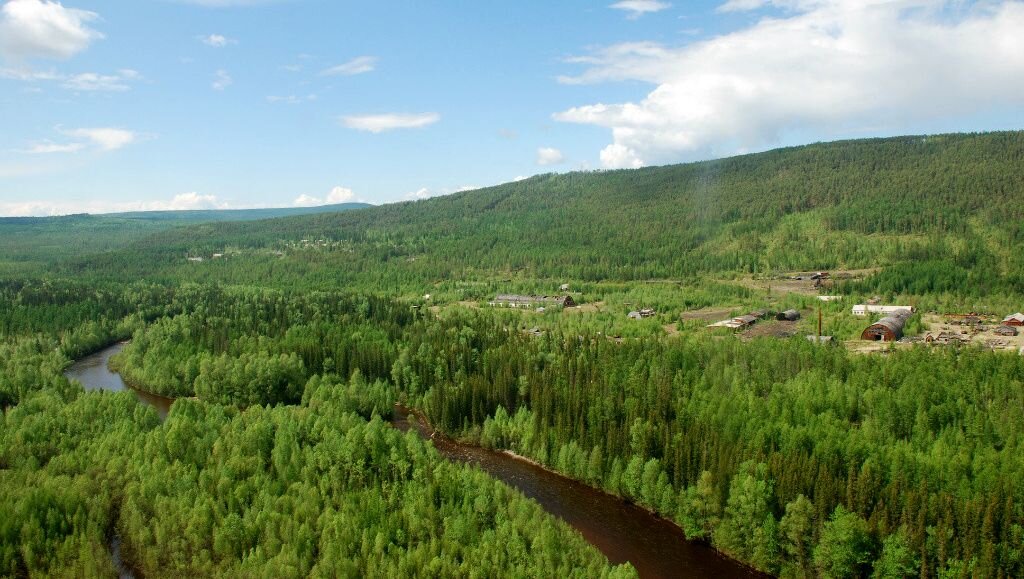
(287, 353)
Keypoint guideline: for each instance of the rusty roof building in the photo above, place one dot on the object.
(887, 329)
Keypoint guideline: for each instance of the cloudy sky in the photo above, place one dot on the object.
(165, 104)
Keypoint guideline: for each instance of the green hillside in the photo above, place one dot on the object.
(28, 241)
(948, 203)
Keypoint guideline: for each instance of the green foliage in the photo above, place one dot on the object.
(845, 548)
(851, 204)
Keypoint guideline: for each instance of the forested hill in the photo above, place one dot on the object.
(29, 241)
(955, 199)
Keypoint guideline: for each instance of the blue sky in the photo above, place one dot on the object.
(125, 105)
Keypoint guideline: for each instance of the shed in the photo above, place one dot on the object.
(788, 315)
(1014, 320)
(887, 329)
(634, 315)
(1006, 331)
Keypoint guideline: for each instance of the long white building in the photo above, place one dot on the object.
(865, 309)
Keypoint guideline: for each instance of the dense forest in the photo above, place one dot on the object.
(288, 353)
(851, 204)
(30, 243)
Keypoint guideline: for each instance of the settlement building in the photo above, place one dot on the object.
(1005, 331)
(887, 329)
(1014, 320)
(644, 313)
(532, 301)
(865, 309)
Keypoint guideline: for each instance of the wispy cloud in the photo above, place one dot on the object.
(47, 147)
(86, 81)
(97, 138)
(221, 80)
(42, 29)
(91, 81)
(389, 121)
(549, 156)
(106, 138)
(291, 99)
(358, 65)
(217, 40)
(637, 8)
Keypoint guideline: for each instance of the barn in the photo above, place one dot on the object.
(1014, 320)
(887, 329)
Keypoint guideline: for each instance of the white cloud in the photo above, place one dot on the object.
(358, 65)
(291, 99)
(617, 156)
(91, 81)
(221, 80)
(217, 40)
(336, 195)
(389, 121)
(42, 29)
(28, 75)
(188, 201)
(99, 138)
(340, 195)
(421, 193)
(106, 138)
(637, 8)
(307, 201)
(227, 3)
(824, 67)
(741, 5)
(180, 202)
(549, 156)
(47, 147)
(86, 81)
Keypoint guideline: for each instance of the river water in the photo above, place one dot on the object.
(621, 531)
(93, 373)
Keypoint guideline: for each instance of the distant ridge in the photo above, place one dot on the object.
(198, 215)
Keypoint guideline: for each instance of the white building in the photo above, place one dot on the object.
(865, 309)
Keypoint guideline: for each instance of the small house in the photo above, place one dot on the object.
(564, 287)
(1014, 320)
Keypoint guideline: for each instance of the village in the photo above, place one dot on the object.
(877, 327)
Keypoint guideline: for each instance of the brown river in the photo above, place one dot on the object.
(621, 531)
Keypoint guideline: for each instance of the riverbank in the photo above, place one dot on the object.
(622, 530)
